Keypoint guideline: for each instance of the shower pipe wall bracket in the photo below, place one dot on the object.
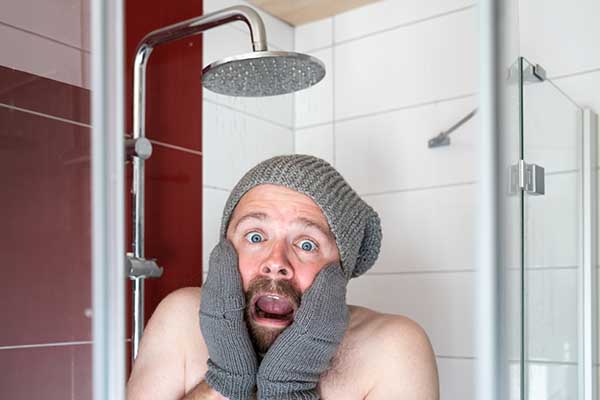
(141, 150)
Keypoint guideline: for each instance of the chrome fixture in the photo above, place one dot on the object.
(443, 138)
(259, 73)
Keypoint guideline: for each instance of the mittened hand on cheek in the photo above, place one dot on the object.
(232, 363)
(294, 363)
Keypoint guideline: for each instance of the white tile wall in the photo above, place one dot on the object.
(385, 15)
(584, 89)
(317, 141)
(560, 36)
(392, 148)
(426, 230)
(425, 62)
(439, 302)
(315, 104)
(314, 35)
(212, 210)
(63, 21)
(234, 142)
(552, 381)
(44, 57)
(456, 378)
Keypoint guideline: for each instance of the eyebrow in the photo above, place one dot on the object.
(253, 215)
(307, 223)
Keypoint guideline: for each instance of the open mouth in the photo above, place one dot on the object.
(273, 309)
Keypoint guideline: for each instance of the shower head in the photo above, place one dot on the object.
(263, 73)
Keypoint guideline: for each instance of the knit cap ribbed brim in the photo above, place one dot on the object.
(354, 224)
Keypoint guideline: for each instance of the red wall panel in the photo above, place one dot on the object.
(173, 117)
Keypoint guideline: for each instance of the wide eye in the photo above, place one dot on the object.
(254, 237)
(308, 245)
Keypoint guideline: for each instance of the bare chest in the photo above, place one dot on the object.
(343, 381)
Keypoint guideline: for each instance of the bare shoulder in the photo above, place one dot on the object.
(400, 353)
(172, 331)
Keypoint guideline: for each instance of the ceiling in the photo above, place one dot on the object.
(298, 12)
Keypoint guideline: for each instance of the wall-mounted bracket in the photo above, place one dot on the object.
(141, 268)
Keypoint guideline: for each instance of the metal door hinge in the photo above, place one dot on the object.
(527, 177)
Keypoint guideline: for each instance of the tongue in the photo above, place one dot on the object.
(274, 306)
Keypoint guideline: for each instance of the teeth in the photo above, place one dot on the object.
(274, 297)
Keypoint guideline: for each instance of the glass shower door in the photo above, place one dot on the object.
(551, 132)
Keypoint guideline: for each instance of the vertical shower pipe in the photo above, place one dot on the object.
(167, 34)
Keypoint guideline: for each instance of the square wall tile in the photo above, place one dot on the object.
(427, 230)
(551, 128)
(552, 237)
(457, 378)
(58, 372)
(46, 96)
(46, 230)
(560, 36)
(551, 315)
(316, 141)
(314, 35)
(43, 57)
(416, 64)
(384, 15)
(583, 89)
(315, 104)
(212, 211)
(235, 142)
(62, 21)
(552, 381)
(391, 149)
(442, 303)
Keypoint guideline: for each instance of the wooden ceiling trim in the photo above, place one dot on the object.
(299, 12)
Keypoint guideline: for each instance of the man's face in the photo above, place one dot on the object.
(283, 240)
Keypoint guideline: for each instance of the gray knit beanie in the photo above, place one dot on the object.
(353, 222)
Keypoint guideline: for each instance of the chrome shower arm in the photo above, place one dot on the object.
(167, 34)
(200, 24)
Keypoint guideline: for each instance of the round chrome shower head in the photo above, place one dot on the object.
(263, 73)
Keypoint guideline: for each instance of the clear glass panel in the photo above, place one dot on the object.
(45, 339)
(551, 241)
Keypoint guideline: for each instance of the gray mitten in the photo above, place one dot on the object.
(232, 361)
(294, 363)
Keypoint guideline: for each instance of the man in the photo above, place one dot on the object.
(273, 320)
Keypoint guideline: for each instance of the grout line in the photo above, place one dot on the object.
(174, 147)
(45, 37)
(216, 188)
(211, 101)
(424, 272)
(419, 189)
(407, 24)
(39, 114)
(572, 74)
(471, 358)
(391, 110)
(532, 268)
(58, 344)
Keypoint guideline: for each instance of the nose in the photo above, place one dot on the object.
(277, 265)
